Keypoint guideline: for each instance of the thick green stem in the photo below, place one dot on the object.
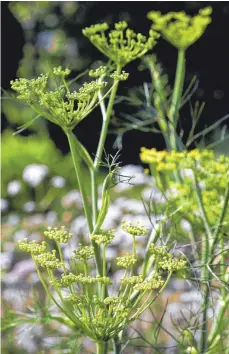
(80, 179)
(87, 209)
(100, 348)
(173, 113)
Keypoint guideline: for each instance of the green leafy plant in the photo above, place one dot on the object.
(89, 304)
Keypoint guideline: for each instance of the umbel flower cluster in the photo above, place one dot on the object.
(85, 299)
(122, 44)
(60, 105)
(180, 29)
(203, 177)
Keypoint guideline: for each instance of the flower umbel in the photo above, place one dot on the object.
(59, 235)
(180, 29)
(122, 45)
(60, 106)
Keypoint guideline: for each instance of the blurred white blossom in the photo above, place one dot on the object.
(34, 174)
(13, 187)
(58, 182)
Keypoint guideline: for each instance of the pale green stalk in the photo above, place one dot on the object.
(100, 348)
(87, 209)
(173, 113)
(205, 276)
(106, 120)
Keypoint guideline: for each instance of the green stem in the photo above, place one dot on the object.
(205, 276)
(216, 330)
(221, 218)
(94, 196)
(87, 210)
(100, 348)
(173, 113)
(117, 346)
(106, 120)
(80, 179)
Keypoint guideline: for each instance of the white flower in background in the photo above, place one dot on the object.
(58, 182)
(34, 174)
(29, 206)
(79, 226)
(13, 220)
(4, 204)
(20, 235)
(185, 225)
(13, 187)
(72, 197)
(51, 217)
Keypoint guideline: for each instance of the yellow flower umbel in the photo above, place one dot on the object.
(180, 29)
(60, 106)
(122, 45)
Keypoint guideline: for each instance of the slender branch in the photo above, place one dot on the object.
(173, 113)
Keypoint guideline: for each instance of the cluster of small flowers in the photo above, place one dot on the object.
(149, 284)
(171, 264)
(53, 103)
(103, 237)
(126, 261)
(134, 229)
(119, 77)
(32, 246)
(71, 278)
(49, 260)
(180, 29)
(61, 72)
(83, 253)
(133, 280)
(122, 45)
(97, 72)
(59, 235)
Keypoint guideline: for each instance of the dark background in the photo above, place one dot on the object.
(208, 58)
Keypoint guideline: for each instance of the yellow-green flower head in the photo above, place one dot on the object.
(30, 90)
(180, 29)
(158, 250)
(172, 264)
(32, 246)
(70, 278)
(133, 280)
(121, 45)
(49, 260)
(126, 261)
(149, 284)
(60, 106)
(134, 229)
(59, 71)
(59, 235)
(103, 237)
(119, 77)
(83, 253)
(97, 72)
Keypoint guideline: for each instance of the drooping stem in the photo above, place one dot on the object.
(106, 120)
(173, 113)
